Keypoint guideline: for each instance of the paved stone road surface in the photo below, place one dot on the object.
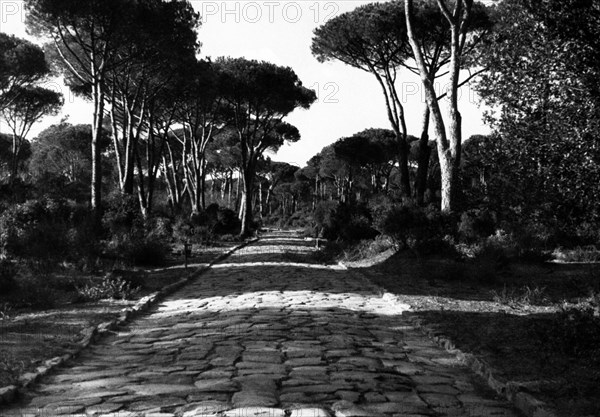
(267, 333)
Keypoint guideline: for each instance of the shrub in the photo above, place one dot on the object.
(524, 296)
(35, 291)
(227, 222)
(424, 230)
(37, 230)
(147, 252)
(5, 311)
(580, 254)
(476, 224)
(159, 228)
(300, 220)
(109, 288)
(366, 249)
(350, 222)
(122, 216)
(323, 214)
(8, 272)
(575, 332)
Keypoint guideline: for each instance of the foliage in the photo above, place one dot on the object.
(543, 81)
(367, 249)
(8, 272)
(109, 288)
(204, 226)
(140, 240)
(524, 296)
(22, 64)
(349, 222)
(574, 333)
(579, 254)
(61, 161)
(46, 230)
(413, 226)
(476, 224)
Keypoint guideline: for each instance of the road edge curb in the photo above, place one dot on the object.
(512, 391)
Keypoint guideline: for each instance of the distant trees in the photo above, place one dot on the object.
(372, 38)
(27, 107)
(60, 160)
(260, 95)
(22, 102)
(354, 168)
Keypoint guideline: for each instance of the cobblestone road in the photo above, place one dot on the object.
(266, 334)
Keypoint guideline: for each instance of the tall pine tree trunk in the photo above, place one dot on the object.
(423, 159)
(96, 186)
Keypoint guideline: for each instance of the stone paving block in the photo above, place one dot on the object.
(254, 399)
(156, 403)
(309, 412)
(405, 397)
(310, 389)
(208, 396)
(439, 389)
(440, 400)
(161, 389)
(103, 408)
(204, 408)
(216, 385)
(304, 361)
(374, 397)
(348, 409)
(408, 368)
(431, 379)
(351, 396)
(395, 408)
(267, 357)
(474, 410)
(255, 412)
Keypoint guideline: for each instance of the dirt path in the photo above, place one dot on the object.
(266, 334)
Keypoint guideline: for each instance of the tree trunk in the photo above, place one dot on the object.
(423, 160)
(260, 200)
(96, 187)
(247, 202)
(403, 162)
(203, 184)
(268, 200)
(448, 143)
(229, 188)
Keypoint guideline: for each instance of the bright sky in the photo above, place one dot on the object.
(280, 31)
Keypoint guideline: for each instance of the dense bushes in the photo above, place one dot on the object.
(478, 234)
(45, 231)
(350, 222)
(204, 226)
(133, 238)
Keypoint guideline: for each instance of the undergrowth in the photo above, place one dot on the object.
(109, 288)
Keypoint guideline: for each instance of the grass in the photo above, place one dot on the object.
(586, 254)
